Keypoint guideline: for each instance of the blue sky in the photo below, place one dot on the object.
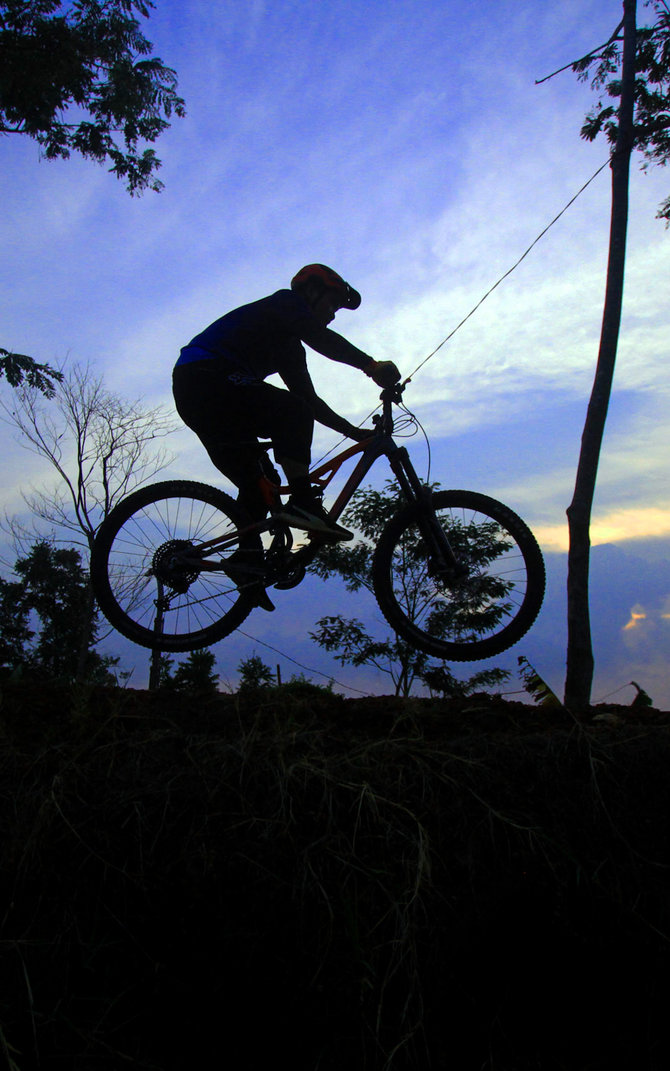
(407, 144)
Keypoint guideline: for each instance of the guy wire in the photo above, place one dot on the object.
(508, 272)
(483, 299)
(425, 361)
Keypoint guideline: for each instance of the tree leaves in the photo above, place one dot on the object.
(21, 370)
(535, 685)
(196, 674)
(53, 590)
(652, 91)
(92, 58)
(349, 640)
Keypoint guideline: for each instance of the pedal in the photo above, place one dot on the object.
(263, 600)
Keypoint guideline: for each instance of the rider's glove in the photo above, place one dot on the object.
(384, 373)
(360, 434)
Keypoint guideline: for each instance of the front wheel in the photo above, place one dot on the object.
(475, 610)
(143, 572)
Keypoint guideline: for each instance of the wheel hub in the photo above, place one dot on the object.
(169, 567)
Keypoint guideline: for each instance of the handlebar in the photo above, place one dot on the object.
(389, 396)
(392, 394)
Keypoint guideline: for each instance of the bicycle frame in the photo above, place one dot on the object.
(155, 580)
(414, 491)
(380, 443)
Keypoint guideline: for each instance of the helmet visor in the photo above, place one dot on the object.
(347, 297)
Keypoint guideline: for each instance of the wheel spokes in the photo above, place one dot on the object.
(145, 573)
(471, 606)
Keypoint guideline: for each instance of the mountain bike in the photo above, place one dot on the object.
(177, 565)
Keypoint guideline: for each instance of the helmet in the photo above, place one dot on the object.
(349, 298)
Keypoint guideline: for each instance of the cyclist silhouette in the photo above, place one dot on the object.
(220, 393)
(178, 565)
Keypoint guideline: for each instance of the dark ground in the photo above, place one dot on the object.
(295, 878)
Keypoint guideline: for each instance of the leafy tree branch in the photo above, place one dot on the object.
(602, 67)
(58, 61)
(48, 621)
(348, 639)
(20, 370)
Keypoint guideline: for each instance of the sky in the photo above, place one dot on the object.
(407, 144)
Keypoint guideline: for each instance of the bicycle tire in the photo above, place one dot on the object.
(483, 612)
(130, 542)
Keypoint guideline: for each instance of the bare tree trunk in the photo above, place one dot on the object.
(155, 669)
(86, 632)
(580, 663)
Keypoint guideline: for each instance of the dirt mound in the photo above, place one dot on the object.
(302, 878)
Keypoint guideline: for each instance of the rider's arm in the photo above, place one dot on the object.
(327, 416)
(299, 381)
(334, 346)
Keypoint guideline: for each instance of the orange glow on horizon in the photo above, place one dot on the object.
(635, 617)
(615, 527)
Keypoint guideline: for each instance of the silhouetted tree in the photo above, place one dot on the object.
(633, 67)
(80, 77)
(196, 674)
(101, 445)
(15, 633)
(352, 644)
(651, 88)
(254, 674)
(53, 585)
(161, 671)
(348, 639)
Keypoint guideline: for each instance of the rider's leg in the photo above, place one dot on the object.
(304, 508)
(224, 414)
(203, 400)
(291, 428)
(297, 476)
(218, 413)
(246, 474)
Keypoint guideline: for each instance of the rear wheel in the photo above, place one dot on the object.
(476, 611)
(145, 573)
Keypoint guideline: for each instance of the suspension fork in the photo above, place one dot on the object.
(414, 491)
(441, 555)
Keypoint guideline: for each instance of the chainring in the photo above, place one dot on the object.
(291, 578)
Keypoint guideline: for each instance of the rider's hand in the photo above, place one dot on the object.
(384, 373)
(360, 434)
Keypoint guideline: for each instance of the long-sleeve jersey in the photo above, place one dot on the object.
(265, 336)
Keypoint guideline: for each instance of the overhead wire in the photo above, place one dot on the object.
(328, 676)
(507, 273)
(421, 364)
(481, 301)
